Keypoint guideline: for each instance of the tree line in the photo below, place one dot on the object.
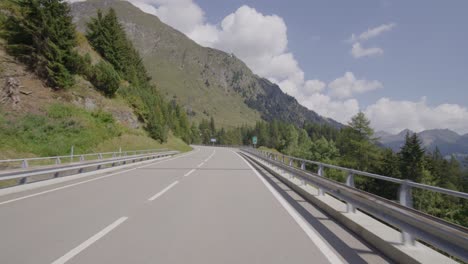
(41, 34)
(355, 146)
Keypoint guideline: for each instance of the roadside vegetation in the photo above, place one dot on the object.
(355, 146)
(41, 34)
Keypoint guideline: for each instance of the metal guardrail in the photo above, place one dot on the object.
(23, 177)
(446, 236)
(404, 195)
(25, 162)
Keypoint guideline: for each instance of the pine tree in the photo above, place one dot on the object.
(412, 158)
(43, 35)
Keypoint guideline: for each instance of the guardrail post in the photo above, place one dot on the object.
(350, 182)
(302, 165)
(81, 158)
(283, 158)
(320, 170)
(58, 161)
(276, 157)
(320, 173)
(290, 162)
(24, 164)
(405, 197)
(100, 156)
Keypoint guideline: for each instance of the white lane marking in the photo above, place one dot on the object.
(63, 187)
(212, 154)
(89, 242)
(188, 173)
(90, 180)
(163, 191)
(184, 155)
(311, 233)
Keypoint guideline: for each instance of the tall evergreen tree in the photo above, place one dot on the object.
(43, 35)
(412, 158)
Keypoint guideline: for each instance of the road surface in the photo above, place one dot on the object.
(206, 206)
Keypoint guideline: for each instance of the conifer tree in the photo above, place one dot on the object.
(412, 158)
(43, 36)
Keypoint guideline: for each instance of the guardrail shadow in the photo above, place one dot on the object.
(295, 200)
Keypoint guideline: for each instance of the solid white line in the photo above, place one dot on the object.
(188, 173)
(63, 187)
(311, 233)
(94, 179)
(89, 242)
(163, 191)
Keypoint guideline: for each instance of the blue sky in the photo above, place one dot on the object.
(425, 54)
(410, 70)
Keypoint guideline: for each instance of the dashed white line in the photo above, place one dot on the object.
(89, 242)
(163, 191)
(94, 179)
(188, 173)
(314, 237)
(212, 154)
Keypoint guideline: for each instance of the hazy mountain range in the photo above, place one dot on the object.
(448, 141)
(206, 81)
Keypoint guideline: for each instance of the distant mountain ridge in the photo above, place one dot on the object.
(206, 81)
(448, 141)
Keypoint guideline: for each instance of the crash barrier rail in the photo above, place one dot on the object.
(413, 224)
(25, 163)
(23, 177)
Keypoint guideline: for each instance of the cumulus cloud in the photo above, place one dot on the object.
(348, 85)
(358, 51)
(394, 116)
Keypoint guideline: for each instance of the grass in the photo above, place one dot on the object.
(65, 125)
(135, 142)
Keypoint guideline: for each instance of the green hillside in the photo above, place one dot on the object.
(207, 82)
(38, 119)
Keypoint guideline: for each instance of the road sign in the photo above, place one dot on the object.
(213, 140)
(254, 140)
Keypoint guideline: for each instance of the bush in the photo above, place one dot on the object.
(105, 78)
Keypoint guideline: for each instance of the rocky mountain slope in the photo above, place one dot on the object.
(448, 142)
(208, 82)
(36, 120)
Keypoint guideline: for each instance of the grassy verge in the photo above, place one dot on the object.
(63, 126)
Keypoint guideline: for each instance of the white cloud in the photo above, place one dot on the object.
(394, 116)
(348, 85)
(341, 111)
(313, 86)
(372, 32)
(358, 51)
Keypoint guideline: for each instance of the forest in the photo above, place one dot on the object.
(355, 146)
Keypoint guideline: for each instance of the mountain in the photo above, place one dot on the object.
(448, 141)
(206, 81)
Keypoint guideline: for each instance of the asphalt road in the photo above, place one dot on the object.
(207, 206)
